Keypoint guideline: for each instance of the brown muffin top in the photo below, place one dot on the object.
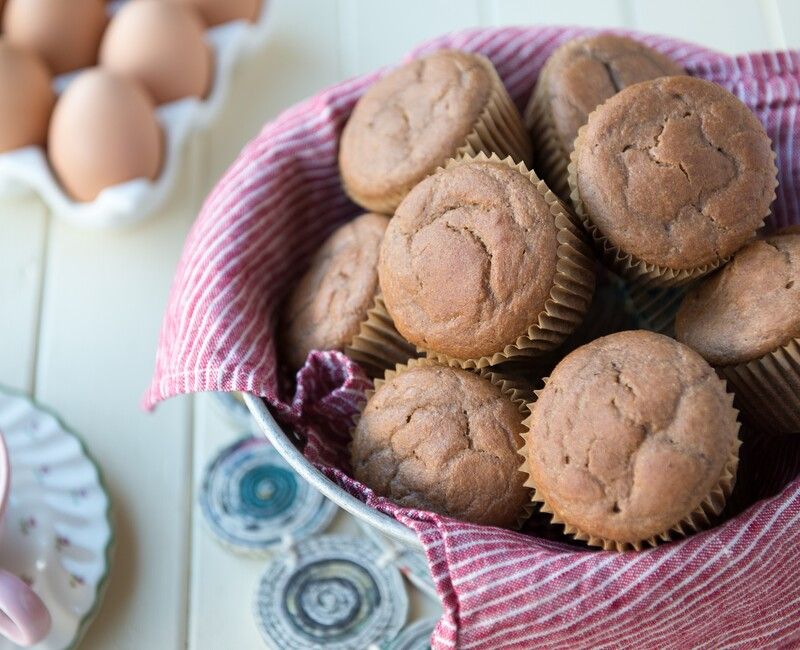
(675, 171)
(445, 440)
(468, 260)
(630, 434)
(412, 121)
(325, 309)
(583, 73)
(749, 308)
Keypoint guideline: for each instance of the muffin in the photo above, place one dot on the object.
(444, 440)
(579, 76)
(418, 116)
(481, 262)
(328, 305)
(632, 439)
(671, 177)
(745, 320)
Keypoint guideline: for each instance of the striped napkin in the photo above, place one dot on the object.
(737, 585)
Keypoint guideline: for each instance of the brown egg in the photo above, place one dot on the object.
(103, 132)
(216, 12)
(161, 45)
(65, 33)
(26, 98)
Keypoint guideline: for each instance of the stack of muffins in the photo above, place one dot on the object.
(484, 263)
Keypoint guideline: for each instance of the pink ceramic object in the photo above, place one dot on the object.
(24, 619)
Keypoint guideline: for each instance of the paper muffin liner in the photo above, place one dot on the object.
(499, 129)
(550, 156)
(517, 390)
(573, 283)
(768, 389)
(699, 519)
(640, 274)
(378, 346)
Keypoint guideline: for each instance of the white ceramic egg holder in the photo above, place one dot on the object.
(27, 169)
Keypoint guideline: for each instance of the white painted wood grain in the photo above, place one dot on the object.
(732, 26)
(300, 58)
(104, 297)
(375, 34)
(23, 236)
(789, 22)
(600, 13)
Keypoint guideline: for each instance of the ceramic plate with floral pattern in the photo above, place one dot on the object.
(57, 534)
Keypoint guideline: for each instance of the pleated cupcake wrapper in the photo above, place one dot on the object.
(640, 274)
(378, 346)
(517, 390)
(550, 155)
(573, 284)
(768, 389)
(699, 519)
(499, 129)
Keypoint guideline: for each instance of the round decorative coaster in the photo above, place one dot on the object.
(331, 592)
(412, 564)
(57, 533)
(416, 636)
(253, 501)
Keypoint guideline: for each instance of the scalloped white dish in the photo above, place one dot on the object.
(58, 534)
(26, 170)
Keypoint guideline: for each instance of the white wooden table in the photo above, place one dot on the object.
(81, 310)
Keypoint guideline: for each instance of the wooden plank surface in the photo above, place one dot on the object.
(375, 34)
(104, 297)
(732, 26)
(602, 13)
(23, 237)
(788, 22)
(81, 310)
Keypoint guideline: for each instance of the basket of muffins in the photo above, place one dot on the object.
(503, 280)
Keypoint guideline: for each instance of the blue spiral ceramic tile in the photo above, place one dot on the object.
(416, 636)
(412, 563)
(330, 592)
(253, 501)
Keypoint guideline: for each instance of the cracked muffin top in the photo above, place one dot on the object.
(630, 434)
(749, 308)
(583, 73)
(445, 440)
(327, 306)
(412, 121)
(676, 172)
(468, 260)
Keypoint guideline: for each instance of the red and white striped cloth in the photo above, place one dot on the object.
(737, 585)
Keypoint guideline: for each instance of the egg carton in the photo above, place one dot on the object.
(27, 169)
